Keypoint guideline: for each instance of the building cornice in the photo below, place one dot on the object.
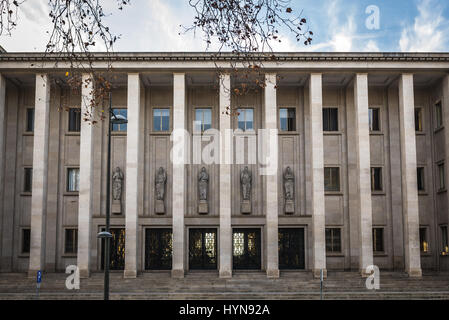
(224, 57)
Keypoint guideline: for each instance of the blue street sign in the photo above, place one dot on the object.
(39, 276)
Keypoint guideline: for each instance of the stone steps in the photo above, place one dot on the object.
(199, 286)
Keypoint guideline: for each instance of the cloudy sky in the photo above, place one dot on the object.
(338, 25)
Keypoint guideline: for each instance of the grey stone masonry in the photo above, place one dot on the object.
(409, 181)
(40, 171)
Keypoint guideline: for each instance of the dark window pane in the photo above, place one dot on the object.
(374, 119)
(26, 236)
(30, 120)
(331, 179)
(203, 119)
(441, 174)
(73, 179)
(120, 114)
(287, 118)
(74, 120)
(71, 241)
(378, 239)
(333, 239)
(165, 114)
(28, 180)
(424, 245)
(444, 241)
(330, 119)
(420, 178)
(438, 115)
(418, 119)
(376, 179)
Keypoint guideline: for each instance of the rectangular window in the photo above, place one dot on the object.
(374, 124)
(245, 119)
(287, 117)
(28, 180)
(71, 241)
(26, 236)
(330, 119)
(30, 120)
(203, 119)
(423, 242)
(161, 119)
(120, 114)
(441, 178)
(418, 120)
(73, 179)
(333, 240)
(444, 241)
(376, 179)
(378, 239)
(420, 179)
(74, 120)
(331, 179)
(439, 115)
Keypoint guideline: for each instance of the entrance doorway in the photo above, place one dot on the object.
(203, 249)
(158, 249)
(117, 249)
(246, 249)
(291, 248)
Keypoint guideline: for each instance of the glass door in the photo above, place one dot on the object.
(203, 249)
(158, 249)
(246, 249)
(117, 249)
(291, 248)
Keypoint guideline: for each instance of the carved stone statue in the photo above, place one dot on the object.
(117, 187)
(117, 184)
(161, 180)
(203, 184)
(289, 190)
(245, 182)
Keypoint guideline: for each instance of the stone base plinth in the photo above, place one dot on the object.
(414, 273)
(116, 207)
(177, 273)
(84, 273)
(245, 207)
(317, 273)
(225, 274)
(273, 273)
(130, 274)
(159, 207)
(203, 208)
(289, 207)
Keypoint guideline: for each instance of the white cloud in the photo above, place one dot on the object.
(428, 32)
(371, 46)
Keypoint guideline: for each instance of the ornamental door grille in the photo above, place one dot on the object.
(291, 248)
(158, 249)
(246, 249)
(117, 249)
(203, 249)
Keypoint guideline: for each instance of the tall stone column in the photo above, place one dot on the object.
(409, 181)
(85, 208)
(2, 152)
(446, 130)
(225, 178)
(271, 191)
(179, 157)
(40, 170)
(363, 171)
(133, 173)
(316, 161)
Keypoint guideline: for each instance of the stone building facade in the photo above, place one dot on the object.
(365, 138)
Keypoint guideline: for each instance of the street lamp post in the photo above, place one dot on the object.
(106, 234)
